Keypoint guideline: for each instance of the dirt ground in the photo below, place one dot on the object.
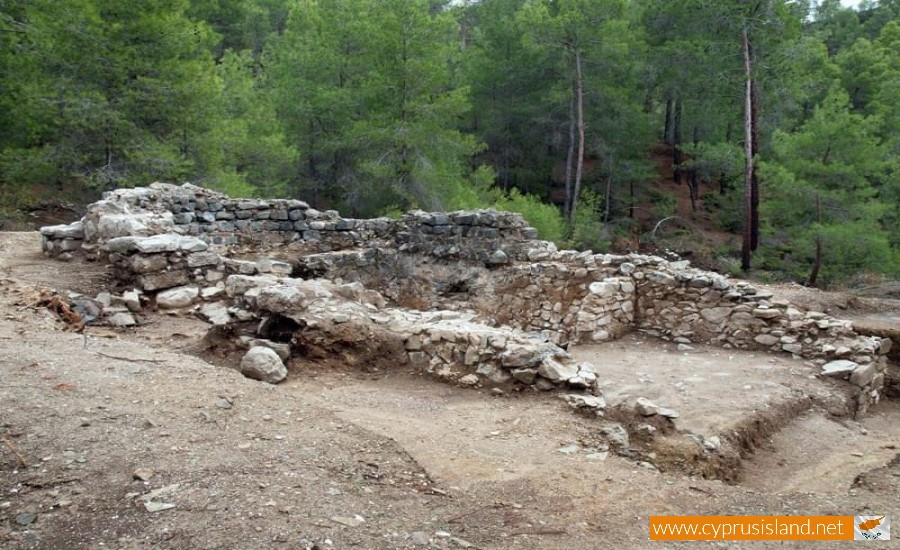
(339, 458)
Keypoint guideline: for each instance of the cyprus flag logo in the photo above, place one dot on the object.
(871, 528)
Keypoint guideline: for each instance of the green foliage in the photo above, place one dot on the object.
(547, 219)
(821, 189)
(588, 230)
(377, 106)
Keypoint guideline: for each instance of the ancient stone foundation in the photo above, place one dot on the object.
(469, 297)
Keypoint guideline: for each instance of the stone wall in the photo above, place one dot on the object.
(487, 263)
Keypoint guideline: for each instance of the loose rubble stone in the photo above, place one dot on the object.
(839, 368)
(767, 339)
(143, 474)
(581, 401)
(263, 364)
(122, 320)
(645, 407)
(177, 297)
(283, 350)
(26, 518)
(616, 434)
(556, 371)
(216, 313)
(131, 300)
(863, 375)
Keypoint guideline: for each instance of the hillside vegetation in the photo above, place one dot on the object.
(778, 120)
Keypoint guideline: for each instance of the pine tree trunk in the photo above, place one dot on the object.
(676, 142)
(570, 157)
(667, 129)
(694, 180)
(817, 262)
(746, 246)
(723, 183)
(754, 180)
(579, 108)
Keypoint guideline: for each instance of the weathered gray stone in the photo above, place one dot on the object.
(715, 315)
(268, 265)
(121, 245)
(212, 292)
(863, 375)
(616, 434)
(767, 339)
(668, 413)
(469, 380)
(282, 299)
(839, 368)
(121, 319)
(556, 371)
(283, 350)
(262, 363)
(605, 289)
(765, 313)
(520, 357)
(645, 407)
(152, 263)
(169, 242)
(583, 401)
(131, 300)
(525, 376)
(793, 348)
(73, 230)
(215, 313)
(177, 297)
(498, 257)
(201, 259)
(165, 279)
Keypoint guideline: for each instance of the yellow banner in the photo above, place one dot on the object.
(751, 527)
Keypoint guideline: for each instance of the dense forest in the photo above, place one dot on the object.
(779, 120)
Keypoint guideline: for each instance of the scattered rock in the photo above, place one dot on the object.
(216, 313)
(26, 518)
(839, 368)
(177, 297)
(348, 521)
(569, 449)
(283, 350)
(863, 375)
(616, 434)
(262, 363)
(419, 538)
(153, 506)
(668, 413)
(121, 319)
(104, 298)
(498, 257)
(582, 401)
(645, 407)
(555, 371)
(143, 474)
(469, 380)
(224, 403)
(131, 300)
(767, 339)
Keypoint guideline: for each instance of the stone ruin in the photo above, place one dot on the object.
(471, 298)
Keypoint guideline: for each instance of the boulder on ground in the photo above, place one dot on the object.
(261, 363)
(177, 297)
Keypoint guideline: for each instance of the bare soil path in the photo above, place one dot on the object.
(337, 458)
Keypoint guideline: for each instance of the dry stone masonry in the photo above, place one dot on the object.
(470, 297)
